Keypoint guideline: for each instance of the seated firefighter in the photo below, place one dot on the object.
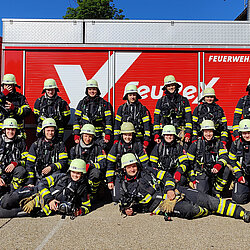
(51, 105)
(239, 157)
(91, 152)
(126, 144)
(138, 193)
(12, 103)
(47, 155)
(13, 153)
(208, 159)
(210, 110)
(169, 155)
(63, 193)
(133, 111)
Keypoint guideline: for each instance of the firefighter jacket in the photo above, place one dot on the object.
(118, 150)
(12, 151)
(203, 155)
(242, 111)
(61, 187)
(44, 153)
(55, 108)
(92, 154)
(239, 156)
(137, 114)
(207, 111)
(173, 110)
(20, 110)
(143, 192)
(170, 157)
(96, 111)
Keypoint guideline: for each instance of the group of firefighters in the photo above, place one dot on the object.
(177, 166)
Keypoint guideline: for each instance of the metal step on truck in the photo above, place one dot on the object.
(119, 52)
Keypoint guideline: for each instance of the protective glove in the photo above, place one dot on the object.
(156, 137)
(76, 137)
(115, 141)
(28, 207)
(177, 176)
(26, 200)
(78, 212)
(235, 138)
(224, 143)
(87, 167)
(6, 92)
(167, 206)
(107, 137)
(188, 135)
(217, 167)
(145, 144)
(192, 184)
(12, 107)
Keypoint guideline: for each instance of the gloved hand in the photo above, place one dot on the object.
(157, 138)
(241, 179)
(216, 168)
(6, 92)
(115, 141)
(224, 143)
(192, 184)
(145, 144)
(194, 141)
(177, 176)
(106, 138)
(26, 200)
(167, 206)
(76, 138)
(235, 138)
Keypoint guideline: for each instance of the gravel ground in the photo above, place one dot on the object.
(105, 228)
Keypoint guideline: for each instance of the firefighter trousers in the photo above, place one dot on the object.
(241, 192)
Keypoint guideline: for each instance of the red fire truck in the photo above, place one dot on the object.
(119, 52)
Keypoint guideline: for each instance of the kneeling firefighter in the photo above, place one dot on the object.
(94, 156)
(63, 193)
(47, 155)
(13, 153)
(139, 194)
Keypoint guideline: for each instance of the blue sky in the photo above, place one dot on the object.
(133, 9)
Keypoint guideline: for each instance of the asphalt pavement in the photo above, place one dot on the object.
(105, 228)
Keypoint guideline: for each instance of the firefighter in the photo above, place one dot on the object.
(239, 156)
(13, 153)
(62, 193)
(13, 104)
(169, 155)
(92, 153)
(133, 111)
(210, 110)
(139, 193)
(242, 111)
(95, 110)
(50, 105)
(126, 144)
(173, 109)
(208, 159)
(47, 155)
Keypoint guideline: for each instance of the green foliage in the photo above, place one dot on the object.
(94, 9)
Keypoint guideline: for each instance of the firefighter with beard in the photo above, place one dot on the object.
(239, 157)
(13, 153)
(173, 109)
(126, 144)
(208, 159)
(47, 155)
(95, 110)
(210, 110)
(59, 193)
(242, 111)
(169, 155)
(92, 153)
(50, 105)
(13, 104)
(140, 193)
(133, 111)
